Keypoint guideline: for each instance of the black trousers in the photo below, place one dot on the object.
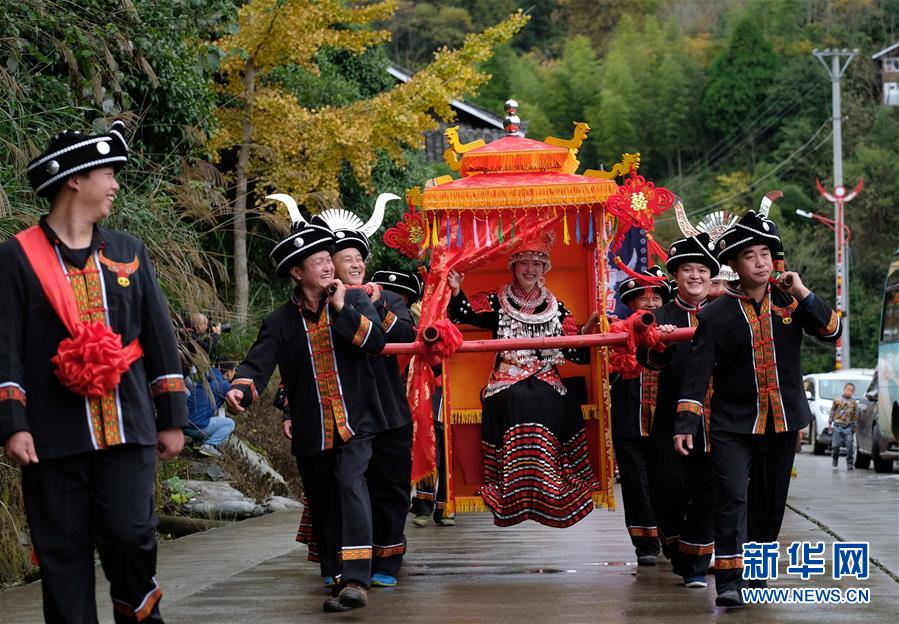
(103, 499)
(684, 496)
(334, 483)
(389, 480)
(753, 481)
(430, 496)
(634, 457)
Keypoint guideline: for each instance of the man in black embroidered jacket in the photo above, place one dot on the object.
(87, 458)
(389, 475)
(684, 486)
(748, 342)
(320, 343)
(633, 404)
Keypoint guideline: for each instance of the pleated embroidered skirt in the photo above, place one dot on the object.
(536, 462)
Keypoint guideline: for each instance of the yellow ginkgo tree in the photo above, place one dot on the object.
(285, 147)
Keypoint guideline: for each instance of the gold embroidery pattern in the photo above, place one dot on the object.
(389, 551)
(643, 531)
(362, 332)
(355, 553)
(696, 549)
(389, 320)
(689, 406)
(649, 391)
(88, 291)
(12, 393)
(765, 365)
(333, 413)
(730, 563)
(832, 325)
(167, 384)
(123, 270)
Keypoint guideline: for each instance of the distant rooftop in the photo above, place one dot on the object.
(475, 111)
(885, 51)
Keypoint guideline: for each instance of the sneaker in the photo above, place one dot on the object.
(330, 582)
(695, 582)
(447, 522)
(420, 521)
(647, 560)
(210, 451)
(379, 579)
(729, 599)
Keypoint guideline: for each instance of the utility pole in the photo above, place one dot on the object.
(836, 66)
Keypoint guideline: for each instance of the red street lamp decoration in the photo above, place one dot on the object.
(839, 197)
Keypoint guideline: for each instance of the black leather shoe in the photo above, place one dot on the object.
(353, 596)
(730, 599)
(333, 605)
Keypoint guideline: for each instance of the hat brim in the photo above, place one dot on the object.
(49, 171)
(287, 254)
(352, 240)
(627, 295)
(700, 258)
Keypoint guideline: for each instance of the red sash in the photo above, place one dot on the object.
(92, 361)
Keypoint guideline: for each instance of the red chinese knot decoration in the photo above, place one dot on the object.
(636, 204)
(410, 235)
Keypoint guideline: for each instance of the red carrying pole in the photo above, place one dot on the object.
(549, 342)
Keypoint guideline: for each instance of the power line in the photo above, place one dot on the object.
(749, 187)
(748, 119)
(717, 156)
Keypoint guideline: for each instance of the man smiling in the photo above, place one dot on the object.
(320, 341)
(748, 341)
(389, 474)
(684, 489)
(73, 293)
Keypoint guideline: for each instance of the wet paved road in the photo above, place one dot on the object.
(475, 572)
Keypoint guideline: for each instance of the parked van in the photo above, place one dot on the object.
(879, 430)
(820, 390)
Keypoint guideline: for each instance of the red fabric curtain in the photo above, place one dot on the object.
(436, 299)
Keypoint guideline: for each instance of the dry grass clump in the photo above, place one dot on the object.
(260, 427)
(15, 560)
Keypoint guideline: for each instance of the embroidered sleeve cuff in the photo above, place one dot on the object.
(170, 399)
(388, 321)
(832, 327)
(362, 332)
(248, 387)
(12, 411)
(11, 391)
(167, 383)
(688, 405)
(686, 423)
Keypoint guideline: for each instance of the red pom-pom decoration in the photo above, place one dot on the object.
(448, 340)
(623, 358)
(91, 362)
